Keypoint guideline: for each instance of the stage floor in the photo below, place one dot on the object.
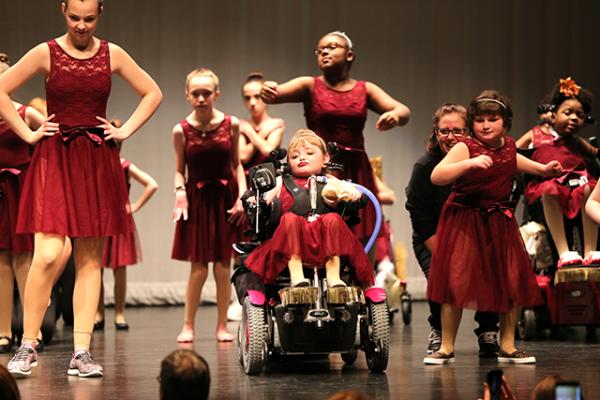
(131, 361)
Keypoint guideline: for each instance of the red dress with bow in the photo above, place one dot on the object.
(74, 186)
(15, 155)
(211, 190)
(481, 262)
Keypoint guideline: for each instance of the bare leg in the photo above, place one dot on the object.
(20, 264)
(590, 229)
(46, 256)
(7, 278)
(222, 275)
(100, 310)
(508, 324)
(88, 260)
(332, 271)
(451, 316)
(198, 275)
(64, 259)
(296, 271)
(554, 219)
(120, 274)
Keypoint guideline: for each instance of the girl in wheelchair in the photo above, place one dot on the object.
(310, 231)
(565, 195)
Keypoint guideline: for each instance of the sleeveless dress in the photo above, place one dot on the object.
(340, 117)
(15, 155)
(315, 242)
(124, 249)
(211, 190)
(481, 262)
(539, 137)
(74, 186)
(574, 168)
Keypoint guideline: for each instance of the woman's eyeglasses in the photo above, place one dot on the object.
(457, 132)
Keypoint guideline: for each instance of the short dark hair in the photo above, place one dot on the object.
(8, 386)
(184, 375)
(490, 102)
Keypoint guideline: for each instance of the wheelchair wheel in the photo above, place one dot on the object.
(377, 347)
(406, 303)
(252, 338)
(350, 357)
(526, 325)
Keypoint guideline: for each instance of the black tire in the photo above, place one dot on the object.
(350, 357)
(406, 305)
(526, 326)
(252, 338)
(378, 347)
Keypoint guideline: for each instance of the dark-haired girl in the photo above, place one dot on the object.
(480, 261)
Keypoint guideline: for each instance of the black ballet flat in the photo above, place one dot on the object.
(39, 347)
(5, 348)
(122, 326)
(99, 325)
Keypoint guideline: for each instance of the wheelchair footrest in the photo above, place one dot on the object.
(298, 295)
(343, 295)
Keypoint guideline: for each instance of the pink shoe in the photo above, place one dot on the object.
(593, 259)
(569, 258)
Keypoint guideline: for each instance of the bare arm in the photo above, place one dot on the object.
(392, 112)
(295, 91)
(265, 141)
(236, 213)
(181, 203)
(385, 194)
(33, 118)
(151, 96)
(36, 61)
(431, 244)
(524, 164)
(147, 181)
(592, 206)
(524, 141)
(456, 163)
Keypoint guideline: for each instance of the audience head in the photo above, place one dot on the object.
(8, 385)
(184, 375)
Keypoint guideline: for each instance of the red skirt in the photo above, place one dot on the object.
(570, 199)
(122, 250)
(75, 188)
(206, 235)
(315, 242)
(10, 189)
(481, 262)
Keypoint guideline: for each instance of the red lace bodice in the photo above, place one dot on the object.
(493, 184)
(14, 152)
(539, 137)
(77, 90)
(208, 154)
(338, 116)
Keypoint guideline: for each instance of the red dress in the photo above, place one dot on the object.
(314, 241)
(15, 155)
(74, 186)
(123, 249)
(539, 137)
(481, 262)
(211, 190)
(340, 117)
(574, 168)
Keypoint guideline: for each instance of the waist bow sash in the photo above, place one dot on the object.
(487, 207)
(94, 133)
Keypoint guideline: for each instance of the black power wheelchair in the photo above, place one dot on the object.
(279, 320)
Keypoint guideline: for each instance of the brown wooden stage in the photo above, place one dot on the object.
(131, 361)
